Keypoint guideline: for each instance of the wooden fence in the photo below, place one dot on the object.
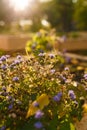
(72, 45)
(12, 43)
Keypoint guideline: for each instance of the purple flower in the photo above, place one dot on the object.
(41, 54)
(38, 125)
(34, 45)
(3, 128)
(75, 102)
(39, 114)
(19, 57)
(57, 98)
(15, 79)
(17, 62)
(62, 77)
(52, 71)
(66, 69)
(36, 104)
(5, 94)
(10, 106)
(7, 56)
(68, 59)
(4, 88)
(4, 67)
(72, 94)
(59, 94)
(12, 65)
(42, 51)
(3, 58)
(85, 76)
(9, 98)
(51, 55)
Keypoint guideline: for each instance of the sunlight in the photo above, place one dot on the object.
(45, 0)
(45, 23)
(20, 5)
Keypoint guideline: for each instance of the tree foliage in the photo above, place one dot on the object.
(59, 13)
(81, 14)
(6, 12)
(64, 15)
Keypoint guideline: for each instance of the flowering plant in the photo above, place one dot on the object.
(46, 92)
(41, 41)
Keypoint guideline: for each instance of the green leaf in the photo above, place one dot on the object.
(29, 125)
(72, 127)
(53, 124)
(65, 125)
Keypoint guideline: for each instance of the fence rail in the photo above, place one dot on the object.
(12, 43)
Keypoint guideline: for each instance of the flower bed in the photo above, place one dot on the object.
(45, 92)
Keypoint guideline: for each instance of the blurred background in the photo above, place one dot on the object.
(31, 15)
(68, 18)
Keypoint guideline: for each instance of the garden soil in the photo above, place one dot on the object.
(82, 125)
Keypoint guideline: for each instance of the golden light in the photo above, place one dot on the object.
(20, 5)
(45, 23)
(45, 0)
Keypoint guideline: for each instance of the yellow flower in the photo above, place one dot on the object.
(50, 114)
(74, 61)
(42, 101)
(85, 108)
(80, 68)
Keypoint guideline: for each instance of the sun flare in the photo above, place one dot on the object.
(20, 4)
